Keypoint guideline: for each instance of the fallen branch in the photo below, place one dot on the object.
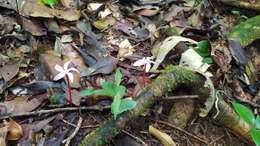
(57, 110)
(243, 4)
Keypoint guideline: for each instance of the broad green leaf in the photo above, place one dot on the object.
(257, 122)
(50, 3)
(255, 136)
(115, 105)
(126, 104)
(202, 48)
(118, 77)
(87, 92)
(244, 112)
(246, 32)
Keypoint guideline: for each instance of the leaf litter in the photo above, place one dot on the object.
(101, 37)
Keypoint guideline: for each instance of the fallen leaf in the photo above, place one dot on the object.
(104, 65)
(105, 13)
(160, 50)
(94, 6)
(104, 23)
(35, 8)
(146, 10)
(192, 59)
(15, 131)
(3, 134)
(71, 4)
(164, 138)
(21, 105)
(9, 71)
(125, 49)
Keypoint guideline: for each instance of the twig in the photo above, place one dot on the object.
(181, 130)
(214, 141)
(73, 125)
(68, 140)
(66, 109)
(134, 137)
(181, 97)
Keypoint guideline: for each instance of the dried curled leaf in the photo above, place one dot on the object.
(164, 138)
(15, 130)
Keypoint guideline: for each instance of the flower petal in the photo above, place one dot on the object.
(59, 76)
(140, 62)
(73, 69)
(59, 68)
(70, 76)
(147, 67)
(66, 65)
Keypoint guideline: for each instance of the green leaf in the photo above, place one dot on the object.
(115, 105)
(87, 92)
(257, 122)
(50, 3)
(255, 136)
(118, 77)
(207, 60)
(126, 104)
(244, 112)
(202, 48)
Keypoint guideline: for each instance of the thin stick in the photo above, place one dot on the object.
(134, 137)
(68, 140)
(66, 109)
(181, 97)
(183, 131)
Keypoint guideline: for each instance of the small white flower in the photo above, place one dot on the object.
(146, 61)
(65, 70)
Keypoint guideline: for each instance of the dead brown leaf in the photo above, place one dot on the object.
(9, 71)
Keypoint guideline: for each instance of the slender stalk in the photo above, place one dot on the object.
(144, 75)
(69, 89)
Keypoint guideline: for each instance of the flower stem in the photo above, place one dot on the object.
(144, 75)
(69, 89)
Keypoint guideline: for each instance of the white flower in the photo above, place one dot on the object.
(65, 71)
(146, 61)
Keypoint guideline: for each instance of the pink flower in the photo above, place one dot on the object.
(65, 71)
(146, 61)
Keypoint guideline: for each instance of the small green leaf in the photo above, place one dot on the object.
(207, 60)
(202, 48)
(116, 105)
(244, 112)
(50, 3)
(257, 122)
(87, 92)
(255, 136)
(126, 104)
(118, 77)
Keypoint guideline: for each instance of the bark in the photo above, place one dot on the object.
(243, 4)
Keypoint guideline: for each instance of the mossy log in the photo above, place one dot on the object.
(243, 4)
(168, 80)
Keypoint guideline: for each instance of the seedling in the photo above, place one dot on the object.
(146, 62)
(247, 115)
(66, 73)
(202, 50)
(50, 3)
(116, 91)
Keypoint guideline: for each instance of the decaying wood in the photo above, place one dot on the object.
(243, 4)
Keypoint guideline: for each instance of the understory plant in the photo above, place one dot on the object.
(115, 90)
(247, 115)
(66, 73)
